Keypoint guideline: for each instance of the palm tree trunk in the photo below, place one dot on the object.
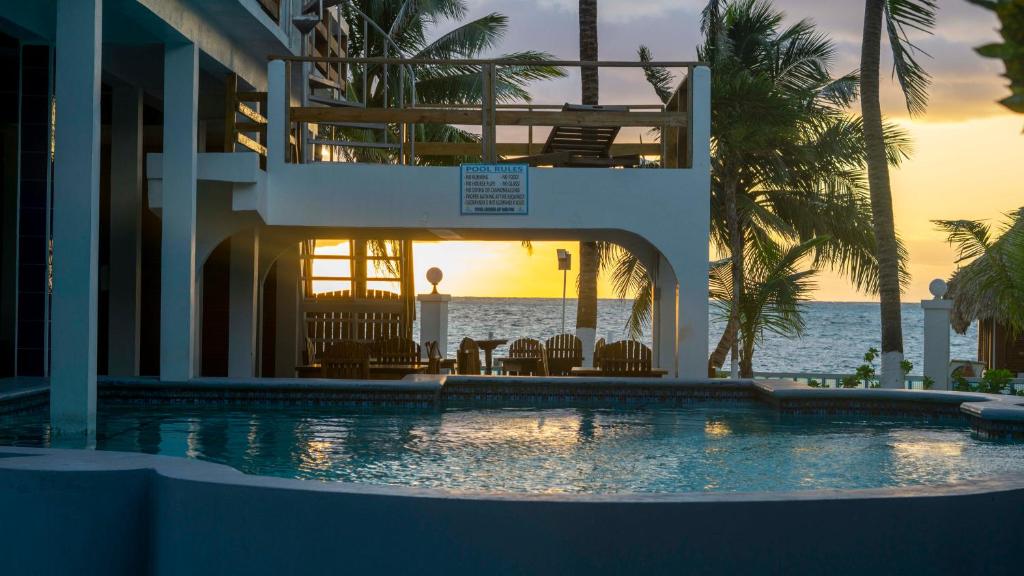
(732, 222)
(747, 359)
(586, 308)
(881, 197)
(725, 343)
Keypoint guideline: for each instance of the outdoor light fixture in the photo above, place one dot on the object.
(564, 264)
(434, 276)
(306, 22)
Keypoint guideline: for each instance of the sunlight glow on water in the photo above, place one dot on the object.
(701, 447)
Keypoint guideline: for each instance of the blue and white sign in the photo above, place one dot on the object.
(494, 189)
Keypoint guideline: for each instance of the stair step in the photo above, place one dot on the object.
(354, 144)
(362, 125)
(334, 102)
(319, 80)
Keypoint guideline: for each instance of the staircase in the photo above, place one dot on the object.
(327, 84)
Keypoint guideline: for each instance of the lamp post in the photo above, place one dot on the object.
(564, 264)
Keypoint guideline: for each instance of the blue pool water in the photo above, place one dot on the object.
(700, 447)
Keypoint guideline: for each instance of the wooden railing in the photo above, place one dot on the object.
(244, 122)
(402, 112)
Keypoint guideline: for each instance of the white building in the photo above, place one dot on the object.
(177, 228)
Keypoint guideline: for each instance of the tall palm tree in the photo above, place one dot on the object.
(899, 17)
(586, 307)
(787, 158)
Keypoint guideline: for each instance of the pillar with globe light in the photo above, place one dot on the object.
(434, 314)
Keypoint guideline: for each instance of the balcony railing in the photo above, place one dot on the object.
(388, 126)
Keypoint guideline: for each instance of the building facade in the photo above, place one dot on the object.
(167, 163)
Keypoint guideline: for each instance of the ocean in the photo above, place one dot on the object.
(836, 336)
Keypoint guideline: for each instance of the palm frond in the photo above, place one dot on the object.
(902, 16)
(658, 77)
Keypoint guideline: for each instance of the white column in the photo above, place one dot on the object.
(286, 342)
(242, 304)
(434, 320)
(936, 335)
(178, 244)
(690, 264)
(277, 110)
(125, 230)
(663, 319)
(76, 203)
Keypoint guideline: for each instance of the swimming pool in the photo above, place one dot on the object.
(587, 449)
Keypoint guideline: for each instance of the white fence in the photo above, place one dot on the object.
(828, 380)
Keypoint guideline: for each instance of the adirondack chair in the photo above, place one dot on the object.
(581, 146)
(598, 346)
(564, 352)
(530, 349)
(345, 359)
(625, 358)
(397, 350)
(468, 361)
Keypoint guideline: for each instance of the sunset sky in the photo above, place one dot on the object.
(964, 147)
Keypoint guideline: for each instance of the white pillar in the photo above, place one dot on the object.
(690, 264)
(434, 321)
(287, 325)
(936, 335)
(663, 319)
(277, 110)
(242, 304)
(125, 230)
(178, 244)
(76, 204)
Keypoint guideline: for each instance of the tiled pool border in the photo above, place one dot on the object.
(989, 415)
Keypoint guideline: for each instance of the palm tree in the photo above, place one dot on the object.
(992, 281)
(586, 307)
(1010, 50)
(775, 291)
(899, 16)
(787, 158)
(409, 25)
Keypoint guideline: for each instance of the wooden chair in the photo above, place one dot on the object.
(581, 146)
(625, 358)
(346, 360)
(396, 350)
(530, 349)
(564, 352)
(598, 346)
(468, 361)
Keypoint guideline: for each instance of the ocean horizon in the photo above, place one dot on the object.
(834, 340)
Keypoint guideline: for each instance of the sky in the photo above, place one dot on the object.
(965, 146)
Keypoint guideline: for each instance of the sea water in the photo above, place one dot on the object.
(835, 338)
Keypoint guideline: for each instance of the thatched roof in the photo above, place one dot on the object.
(970, 287)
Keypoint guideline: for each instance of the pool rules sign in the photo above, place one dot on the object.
(493, 189)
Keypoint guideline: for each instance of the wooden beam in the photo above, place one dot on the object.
(521, 149)
(249, 96)
(230, 106)
(251, 114)
(473, 117)
(251, 144)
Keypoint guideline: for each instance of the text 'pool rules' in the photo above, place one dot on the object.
(494, 189)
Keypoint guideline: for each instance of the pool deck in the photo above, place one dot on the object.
(989, 414)
(117, 513)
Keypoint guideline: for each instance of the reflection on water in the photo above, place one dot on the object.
(709, 447)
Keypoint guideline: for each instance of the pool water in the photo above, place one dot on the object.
(710, 447)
